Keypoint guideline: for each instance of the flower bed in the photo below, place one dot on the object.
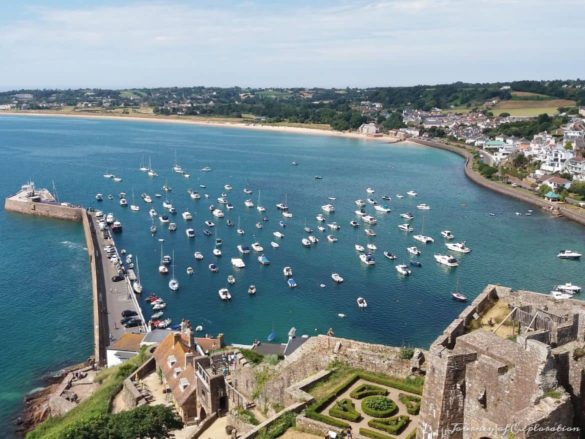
(364, 390)
(378, 406)
(393, 425)
(412, 403)
(345, 409)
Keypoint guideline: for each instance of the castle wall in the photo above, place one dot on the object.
(47, 210)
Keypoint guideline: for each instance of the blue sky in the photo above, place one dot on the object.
(356, 43)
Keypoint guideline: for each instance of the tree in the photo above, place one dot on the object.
(578, 187)
(569, 145)
(148, 421)
(520, 161)
(544, 189)
(504, 114)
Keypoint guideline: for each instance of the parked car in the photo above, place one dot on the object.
(132, 323)
(129, 313)
(117, 278)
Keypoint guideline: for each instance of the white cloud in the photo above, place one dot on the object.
(394, 41)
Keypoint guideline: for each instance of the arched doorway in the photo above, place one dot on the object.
(202, 414)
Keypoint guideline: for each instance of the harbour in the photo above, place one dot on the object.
(252, 160)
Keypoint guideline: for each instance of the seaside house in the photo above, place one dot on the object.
(557, 183)
(174, 358)
(576, 167)
(123, 349)
(368, 129)
(555, 159)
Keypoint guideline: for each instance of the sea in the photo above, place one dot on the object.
(45, 279)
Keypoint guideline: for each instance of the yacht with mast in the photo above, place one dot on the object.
(174, 283)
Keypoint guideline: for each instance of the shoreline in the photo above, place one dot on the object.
(210, 123)
(502, 189)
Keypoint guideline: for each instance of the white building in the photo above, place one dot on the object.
(368, 129)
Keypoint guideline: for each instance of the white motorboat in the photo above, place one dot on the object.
(287, 214)
(231, 279)
(238, 263)
(189, 271)
(568, 254)
(403, 269)
(216, 252)
(371, 201)
(329, 208)
(263, 259)
(117, 179)
(354, 223)
(399, 196)
(320, 218)
(162, 268)
(360, 203)
(411, 193)
(561, 295)
(259, 225)
(359, 248)
(249, 203)
(213, 268)
(153, 213)
(218, 213)
(206, 169)
(407, 216)
(174, 284)
(313, 239)
(274, 244)
(389, 255)
(108, 175)
(195, 195)
(568, 288)
(331, 238)
(222, 200)
(287, 271)
(209, 223)
(447, 234)
(423, 206)
(224, 294)
(134, 207)
(163, 219)
(278, 235)
(372, 247)
(243, 249)
(459, 247)
(198, 256)
(383, 209)
(413, 251)
(166, 204)
(252, 290)
(227, 187)
(333, 226)
(259, 207)
(190, 233)
(458, 297)
(123, 202)
(370, 190)
(306, 242)
(110, 218)
(336, 278)
(446, 260)
(369, 232)
(172, 227)
(257, 247)
(247, 191)
(99, 197)
(360, 213)
(187, 216)
(361, 303)
(368, 259)
(405, 228)
(321, 228)
(368, 219)
(424, 239)
(147, 199)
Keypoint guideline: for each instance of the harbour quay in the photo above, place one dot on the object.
(111, 284)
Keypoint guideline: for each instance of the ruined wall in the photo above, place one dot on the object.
(44, 210)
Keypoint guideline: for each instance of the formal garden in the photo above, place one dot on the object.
(373, 405)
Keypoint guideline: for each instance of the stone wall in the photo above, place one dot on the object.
(44, 210)
(130, 394)
(314, 356)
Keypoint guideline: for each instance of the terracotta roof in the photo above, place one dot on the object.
(558, 180)
(128, 342)
(208, 344)
(170, 357)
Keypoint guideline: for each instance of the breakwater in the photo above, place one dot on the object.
(564, 210)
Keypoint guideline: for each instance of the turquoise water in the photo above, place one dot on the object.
(46, 278)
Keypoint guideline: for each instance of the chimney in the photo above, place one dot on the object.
(188, 359)
(186, 336)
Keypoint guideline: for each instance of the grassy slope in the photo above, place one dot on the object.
(97, 404)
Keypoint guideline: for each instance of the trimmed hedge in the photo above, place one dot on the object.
(379, 406)
(393, 425)
(345, 409)
(374, 434)
(411, 386)
(364, 390)
(412, 403)
(313, 410)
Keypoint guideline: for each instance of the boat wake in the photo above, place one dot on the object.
(73, 245)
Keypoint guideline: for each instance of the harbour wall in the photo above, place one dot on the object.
(477, 178)
(43, 209)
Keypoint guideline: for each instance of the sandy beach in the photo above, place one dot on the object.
(193, 121)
